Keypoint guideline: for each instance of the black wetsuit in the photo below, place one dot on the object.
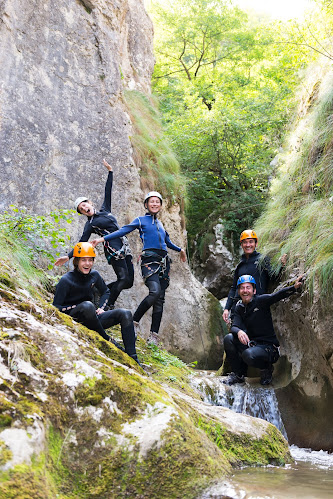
(74, 296)
(257, 267)
(118, 254)
(255, 320)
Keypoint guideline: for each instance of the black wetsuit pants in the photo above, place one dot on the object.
(157, 287)
(85, 313)
(241, 356)
(125, 276)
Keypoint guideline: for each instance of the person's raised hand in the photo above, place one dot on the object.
(299, 281)
(61, 260)
(94, 242)
(106, 164)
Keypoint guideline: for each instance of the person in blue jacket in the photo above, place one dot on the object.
(102, 222)
(155, 263)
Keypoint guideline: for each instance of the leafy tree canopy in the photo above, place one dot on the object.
(226, 89)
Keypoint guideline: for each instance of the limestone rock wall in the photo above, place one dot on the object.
(305, 370)
(64, 66)
(213, 265)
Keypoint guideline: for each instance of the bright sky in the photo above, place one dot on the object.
(279, 9)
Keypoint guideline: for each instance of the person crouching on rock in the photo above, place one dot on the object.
(252, 341)
(155, 263)
(74, 296)
(103, 222)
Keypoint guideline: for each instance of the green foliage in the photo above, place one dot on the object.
(159, 166)
(298, 218)
(225, 86)
(36, 232)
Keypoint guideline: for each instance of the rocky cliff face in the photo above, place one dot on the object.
(213, 262)
(64, 67)
(305, 371)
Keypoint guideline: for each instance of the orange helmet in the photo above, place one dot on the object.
(84, 249)
(248, 234)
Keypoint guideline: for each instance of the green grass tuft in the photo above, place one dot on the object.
(159, 166)
(298, 218)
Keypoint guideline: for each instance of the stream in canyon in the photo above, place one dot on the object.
(309, 477)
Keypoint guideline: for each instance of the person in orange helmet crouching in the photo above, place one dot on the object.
(75, 293)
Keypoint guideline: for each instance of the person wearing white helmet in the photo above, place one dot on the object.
(102, 222)
(155, 263)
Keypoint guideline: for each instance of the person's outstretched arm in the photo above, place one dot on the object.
(87, 231)
(126, 229)
(106, 206)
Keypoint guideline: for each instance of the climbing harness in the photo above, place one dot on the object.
(155, 264)
(113, 254)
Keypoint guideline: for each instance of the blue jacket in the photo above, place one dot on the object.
(152, 233)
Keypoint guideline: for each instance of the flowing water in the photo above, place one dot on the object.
(309, 477)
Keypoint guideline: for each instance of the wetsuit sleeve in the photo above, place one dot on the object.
(268, 300)
(106, 206)
(237, 323)
(232, 291)
(126, 229)
(87, 231)
(103, 291)
(62, 291)
(170, 244)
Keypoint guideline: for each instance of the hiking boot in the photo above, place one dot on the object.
(153, 339)
(135, 357)
(266, 376)
(116, 344)
(233, 378)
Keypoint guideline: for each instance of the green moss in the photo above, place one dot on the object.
(6, 280)
(26, 482)
(5, 454)
(5, 420)
(243, 449)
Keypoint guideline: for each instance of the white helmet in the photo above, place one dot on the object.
(153, 194)
(79, 201)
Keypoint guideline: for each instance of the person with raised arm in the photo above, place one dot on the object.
(252, 340)
(155, 263)
(103, 222)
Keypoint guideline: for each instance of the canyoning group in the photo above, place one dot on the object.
(251, 341)
(74, 292)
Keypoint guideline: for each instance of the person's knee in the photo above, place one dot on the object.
(154, 291)
(249, 357)
(228, 341)
(125, 316)
(87, 309)
(126, 282)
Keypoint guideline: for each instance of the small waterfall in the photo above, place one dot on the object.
(246, 399)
